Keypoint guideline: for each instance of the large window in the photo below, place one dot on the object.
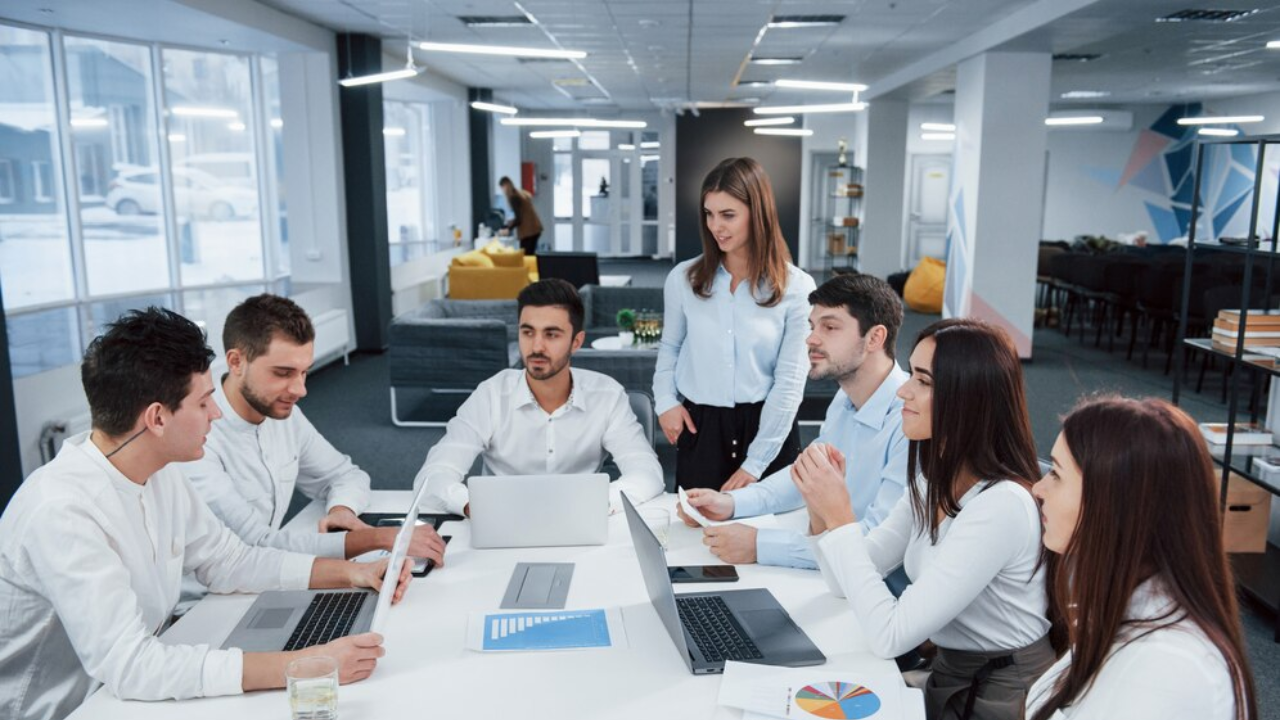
(411, 197)
(119, 200)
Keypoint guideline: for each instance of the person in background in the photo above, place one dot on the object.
(94, 544)
(968, 532)
(731, 366)
(547, 418)
(265, 449)
(853, 332)
(1153, 631)
(526, 224)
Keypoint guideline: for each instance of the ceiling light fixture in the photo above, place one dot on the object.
(177, 137)
(205, 112)
(1222, 120)
(785, 22)
(1218, 132)
(1078, 120)
(626, 146)
(938, 136)
(494, 107)
(789, 132)
(776, 60)
(502, 50)
(393, 132)
(802, 109)
(236, 126)
(770, 121)
(938, 127)
(754, 83)
(277, 123)
(409, 70)
(574, 122)
(651, 145)
(1273, 45)
(1084, 94)
(821, 85)
(82, 123)
(555, 133)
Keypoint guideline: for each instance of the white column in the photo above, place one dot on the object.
(885, 160)
(997, 196)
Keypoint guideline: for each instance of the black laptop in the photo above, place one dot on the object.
(711, 628)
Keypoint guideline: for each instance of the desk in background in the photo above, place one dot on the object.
(428, 673)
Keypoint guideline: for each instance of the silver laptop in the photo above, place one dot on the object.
(710, 628)
(296, 619)
(539, 510)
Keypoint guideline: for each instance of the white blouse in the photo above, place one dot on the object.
(979, 588)
(90, 569)
(1173, 672)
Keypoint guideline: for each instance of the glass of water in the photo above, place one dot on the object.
(658, 521)
(313, 688)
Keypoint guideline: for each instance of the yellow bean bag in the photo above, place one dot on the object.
(923, 292)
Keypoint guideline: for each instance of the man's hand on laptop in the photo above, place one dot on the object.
(369, 575)
(357, 655)
(342, 517)
(426, 543)
(713, 506)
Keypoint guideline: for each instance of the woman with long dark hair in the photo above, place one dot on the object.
(1153, 631)
(732, 363)
(968, 534)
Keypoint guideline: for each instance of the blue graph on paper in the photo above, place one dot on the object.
(546, 630)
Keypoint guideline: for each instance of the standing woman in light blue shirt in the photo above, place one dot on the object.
(732, 364)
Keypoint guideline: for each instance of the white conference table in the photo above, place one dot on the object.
(428, 673)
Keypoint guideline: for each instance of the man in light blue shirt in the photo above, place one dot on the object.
(855, 321)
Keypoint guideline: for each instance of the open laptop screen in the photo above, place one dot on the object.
(653, 567)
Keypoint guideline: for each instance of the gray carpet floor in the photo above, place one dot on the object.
(350, 405)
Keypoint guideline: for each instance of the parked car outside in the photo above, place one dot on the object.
(195, 193)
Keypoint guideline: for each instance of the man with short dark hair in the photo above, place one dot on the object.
(94, 544)
(854, 326)
(547, 418)
(265, 448)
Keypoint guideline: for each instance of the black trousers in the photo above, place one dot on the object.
(530, 244)
(708, 458)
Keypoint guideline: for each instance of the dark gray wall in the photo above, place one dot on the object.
(364, 160)
(480, 125)
(11, 466)
(702, 142)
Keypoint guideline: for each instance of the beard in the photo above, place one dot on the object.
(554, 367)
(261, 405)
(839, 371)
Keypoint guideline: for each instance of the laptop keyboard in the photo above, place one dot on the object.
(715, 630)
(329, 616)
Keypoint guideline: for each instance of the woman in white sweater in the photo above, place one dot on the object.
(1131, 506)
(968, 533)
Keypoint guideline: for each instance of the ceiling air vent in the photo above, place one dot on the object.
(1076, 57)
(799, 21)
(1206, 15)
(494, 20)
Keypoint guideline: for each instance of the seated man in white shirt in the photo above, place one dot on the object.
(547, 419)
(265, 447)
(853, 329)
(94, 544)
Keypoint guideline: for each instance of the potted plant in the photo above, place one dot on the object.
(626, 319)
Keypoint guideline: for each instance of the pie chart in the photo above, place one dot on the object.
(838, 701)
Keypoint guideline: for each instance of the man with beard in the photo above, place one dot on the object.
(547, 419)
(854, 326)
(265, 448)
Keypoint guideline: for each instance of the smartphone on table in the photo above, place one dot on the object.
(702, 573)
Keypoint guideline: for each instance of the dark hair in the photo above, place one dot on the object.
(504, 180)
(867, 298)
(553, 292)
(980, 422)
(252, 325)
(747, 182)
(1148, 507)
(145, 356)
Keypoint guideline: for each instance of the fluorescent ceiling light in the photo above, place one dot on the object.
(1222, 120)
(788, 24)
(503, 50)
(205, 112)
(754, 83)
(1084, 94)
(494, 108)
(802, 109)
(177, 137)
(555, 133)
(769, 121)
(1078, 120)
(776, 60)
(938, 127)
(1273, 45)
(277, 123)
(1218, 132)
(626, 146)
(393, 131)
(236, 126)
(821, 85)
(380, 77)
(648, 158)
(650, 145)
(575, 122)
(790, 132)
(89, 122)
(938, 136)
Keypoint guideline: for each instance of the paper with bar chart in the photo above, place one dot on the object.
(546, 630)
(845, 689)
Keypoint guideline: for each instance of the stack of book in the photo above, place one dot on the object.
(1245, 434)
(1261, 335)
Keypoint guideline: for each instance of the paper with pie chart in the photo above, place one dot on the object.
(858, 690)
(837, 700)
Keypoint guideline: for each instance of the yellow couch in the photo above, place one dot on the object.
(494, 272)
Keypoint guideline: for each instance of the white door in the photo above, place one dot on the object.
(609, 210)
(927, 207)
